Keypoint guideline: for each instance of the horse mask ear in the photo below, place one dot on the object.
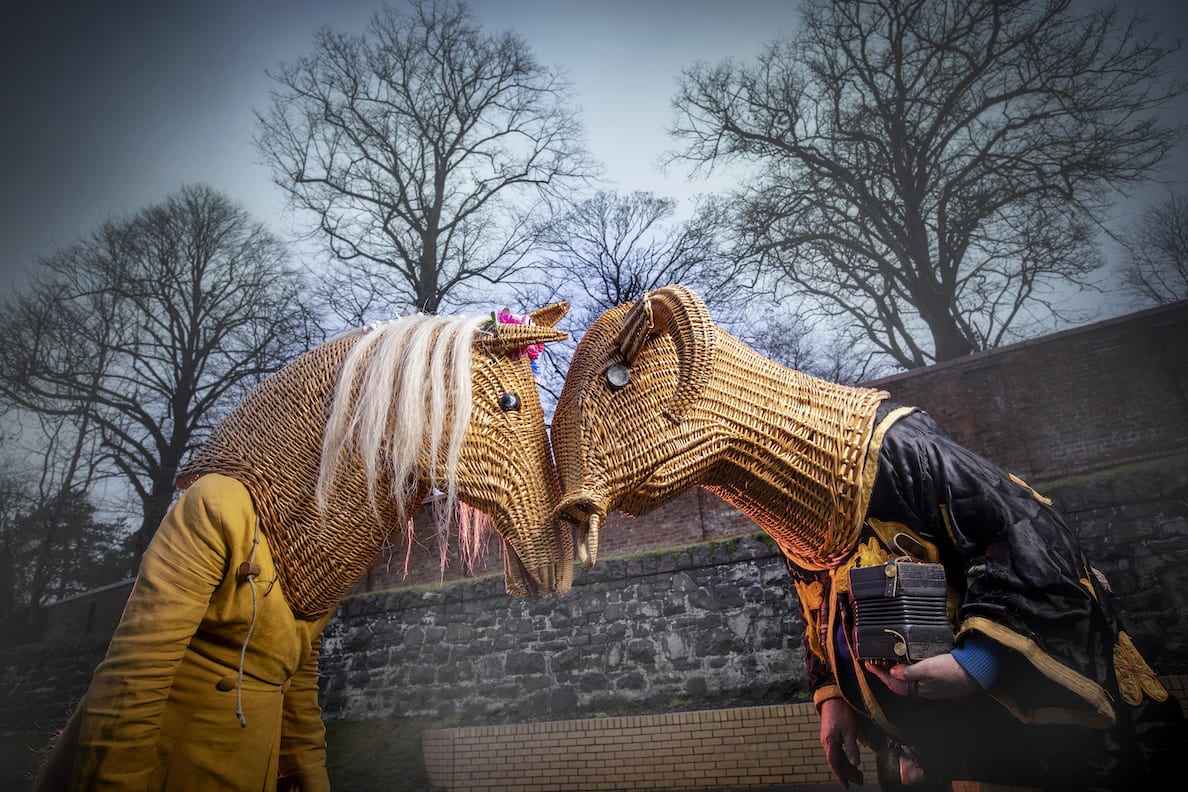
(550, 314)
(677, 311)
(511, 336)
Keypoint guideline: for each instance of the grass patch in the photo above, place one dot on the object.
(376, 754)
(1141, 468)
(18, 756)
(361, 756)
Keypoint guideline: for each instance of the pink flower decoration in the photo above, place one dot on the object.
(507, 317)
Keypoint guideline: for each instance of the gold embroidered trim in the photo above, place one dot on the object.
(872, 706)
(868, 554)
(870, 463)
(824, 693)
(810, 596)
(888, 532)
(840, 576)
(1044, 500)
(1088, 690)
(944, 512)
(1052, 716)
(1135, 676)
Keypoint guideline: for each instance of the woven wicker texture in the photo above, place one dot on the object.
(701, 408)
(272, 442)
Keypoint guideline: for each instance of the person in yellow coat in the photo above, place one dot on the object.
(167, 708)
(210, 681)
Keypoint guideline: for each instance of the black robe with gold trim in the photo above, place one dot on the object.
(1075, 706)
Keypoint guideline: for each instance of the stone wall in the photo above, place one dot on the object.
(712, 624)
(1133, 524)
(41, 682)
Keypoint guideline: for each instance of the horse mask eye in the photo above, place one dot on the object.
(509, 402)
(617, 376)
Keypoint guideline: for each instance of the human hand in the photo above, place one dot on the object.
(839, 738)
(939, 677)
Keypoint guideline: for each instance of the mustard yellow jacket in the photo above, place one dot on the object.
(161, 711)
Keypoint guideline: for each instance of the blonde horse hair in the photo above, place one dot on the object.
(404, 392)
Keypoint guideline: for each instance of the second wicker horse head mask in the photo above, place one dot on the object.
(658, 399)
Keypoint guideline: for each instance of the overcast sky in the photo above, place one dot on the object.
(108, 106)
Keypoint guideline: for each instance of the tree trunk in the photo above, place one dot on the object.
(948, 339)
(427, 272)
(156, 506)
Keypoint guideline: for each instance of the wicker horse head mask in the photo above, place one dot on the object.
(619, 420)
(340, 447)
(658, 399)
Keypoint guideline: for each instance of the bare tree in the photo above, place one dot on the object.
(65, 543)
(783, 332)
(423, 149)
(933, 171)
(68, 548)
(52, 541)
(1157, 252)
(612, 247)
(13, 504)
(148, 329)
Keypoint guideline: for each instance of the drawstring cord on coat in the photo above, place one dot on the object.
(248, 571)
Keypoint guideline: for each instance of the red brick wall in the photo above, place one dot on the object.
(1079, 400)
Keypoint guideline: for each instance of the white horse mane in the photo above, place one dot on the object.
(411, 382)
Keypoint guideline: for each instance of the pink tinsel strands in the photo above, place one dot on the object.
(532, 352)
(474, 527)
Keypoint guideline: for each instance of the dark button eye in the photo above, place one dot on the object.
(617, 376)
(509, 402)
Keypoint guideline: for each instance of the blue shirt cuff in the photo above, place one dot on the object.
(981, 657)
